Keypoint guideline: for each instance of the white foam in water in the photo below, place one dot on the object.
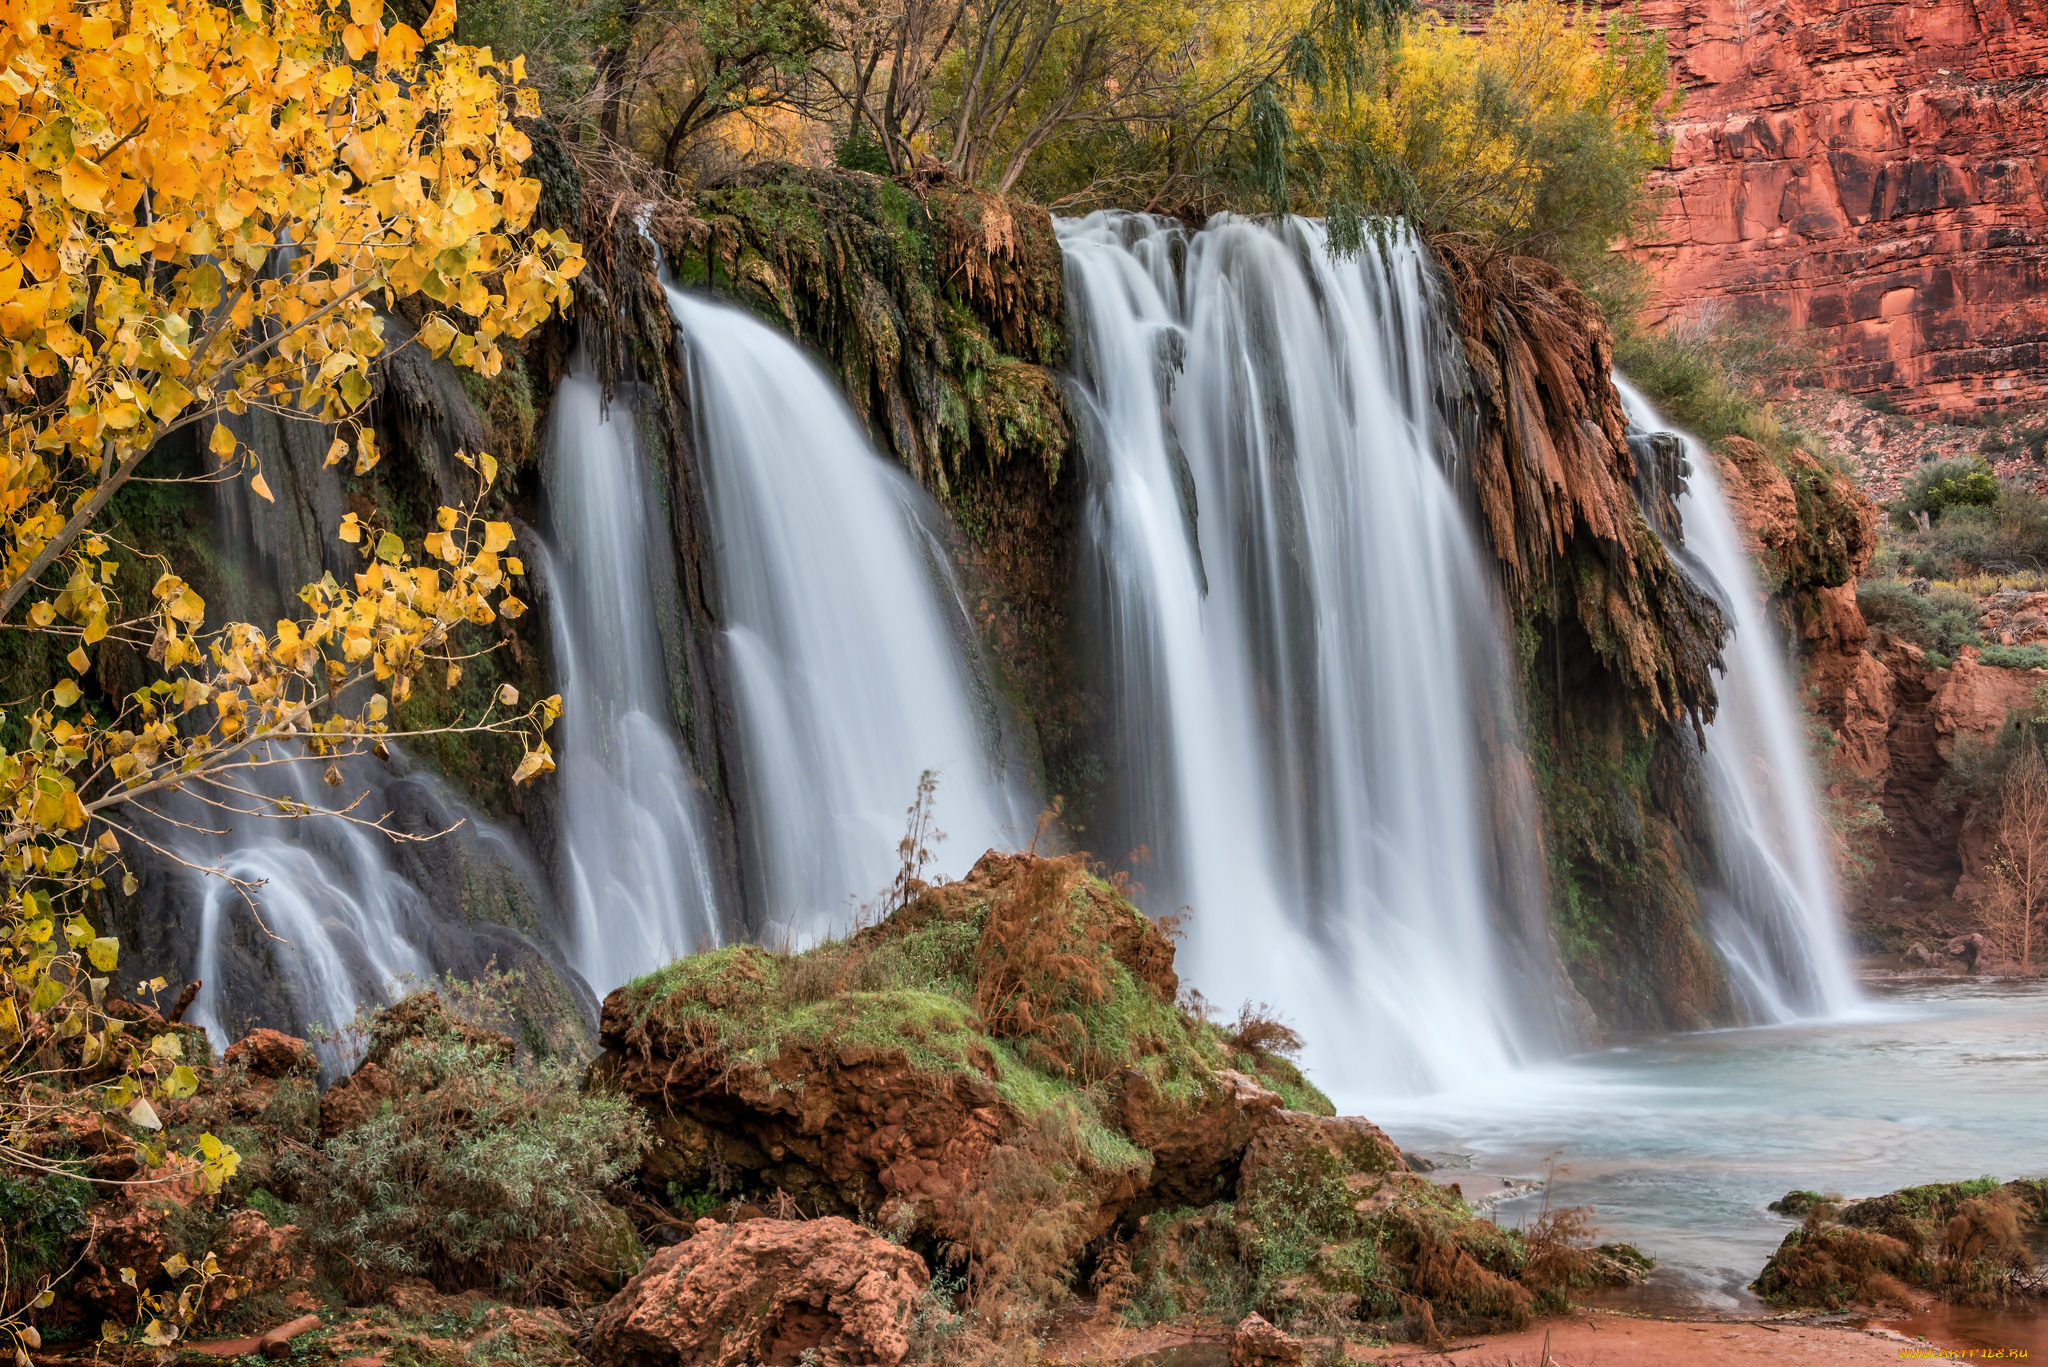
(635, 855)
(853, 664)
(1774, 912)
(1306, 645)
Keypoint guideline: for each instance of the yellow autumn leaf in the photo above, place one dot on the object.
(84, 185)
(497, 536)
(440, 23)
(66, 693)
(401, 46)
(222, 442)
(261, 488)
(435, 334)
(539, 760)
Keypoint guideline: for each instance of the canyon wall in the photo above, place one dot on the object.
(1871, 170)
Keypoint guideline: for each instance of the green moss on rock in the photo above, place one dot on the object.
(1970, 1242)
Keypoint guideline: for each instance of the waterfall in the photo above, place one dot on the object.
(635, 853)
(1312, 685)
(853, 663)
(1772, 906)
(330, 911)
(352, 926)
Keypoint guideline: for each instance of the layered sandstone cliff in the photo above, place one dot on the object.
(1871, 170)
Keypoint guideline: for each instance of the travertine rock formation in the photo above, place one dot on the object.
(1873, 170)
(768, 1293)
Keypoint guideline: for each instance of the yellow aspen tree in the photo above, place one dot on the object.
(205, 210)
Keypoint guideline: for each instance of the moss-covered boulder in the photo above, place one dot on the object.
(1967, 1242)
(999, 1072)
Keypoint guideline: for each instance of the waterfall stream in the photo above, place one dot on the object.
(1312, 682)
(1773, 910)
(1312, 719)
(330, 911)
(854, 668)
(635, 855)
(351, 923)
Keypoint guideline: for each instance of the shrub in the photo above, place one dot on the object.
(38, 1213)
(1261, 1031)
(2017, 439)
(1711, 374)
(480, 1173)
(1943, 484)
(2015, 657)
(2003, 538)
(1940, 621)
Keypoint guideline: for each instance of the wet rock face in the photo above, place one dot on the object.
(1872, 170)
(766, 1293)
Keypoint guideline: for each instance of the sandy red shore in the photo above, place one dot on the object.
(1587, 1339)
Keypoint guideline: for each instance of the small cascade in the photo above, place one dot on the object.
(1319, 744)
(1773, 910)
(635, 856)
(853, 664)
(299, 919)
(352, 926)
(388, 880)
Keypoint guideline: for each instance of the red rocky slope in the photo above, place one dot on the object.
(1873, 170)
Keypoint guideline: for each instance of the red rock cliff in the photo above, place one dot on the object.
(1873, 170)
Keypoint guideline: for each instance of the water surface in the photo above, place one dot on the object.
(1681, 1142)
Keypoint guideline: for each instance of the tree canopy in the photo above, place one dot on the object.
(207, 211)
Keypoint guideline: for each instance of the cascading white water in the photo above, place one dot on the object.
(330, 912)
(853, 664)
(351, 924)
(1773, 911)
(1306, 644)
(635, 856)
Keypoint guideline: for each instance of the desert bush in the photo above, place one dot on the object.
(1941, 620)
(1261, 1031)
(2024, 437)
(2015, 657)
(2003, 537)
(1943, 484)
(481, 1173)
